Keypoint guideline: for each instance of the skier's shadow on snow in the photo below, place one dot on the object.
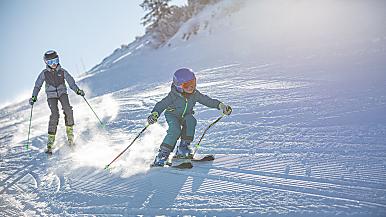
(161, 186)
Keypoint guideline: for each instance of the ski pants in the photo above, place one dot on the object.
(179, 127)
(54, 117)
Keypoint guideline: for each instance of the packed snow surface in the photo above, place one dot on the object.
(307, 136)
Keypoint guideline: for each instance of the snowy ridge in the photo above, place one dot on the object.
(306, 137)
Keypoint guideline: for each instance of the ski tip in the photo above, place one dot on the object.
(205, 158)
(185, 165)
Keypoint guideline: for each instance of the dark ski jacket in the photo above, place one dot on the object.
(182, 104)
(55, 82)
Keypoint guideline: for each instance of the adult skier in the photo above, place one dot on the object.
(55, 76)
(179, 112)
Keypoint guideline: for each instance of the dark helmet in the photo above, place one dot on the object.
(49, 55)
(51, 58)
(181, 76)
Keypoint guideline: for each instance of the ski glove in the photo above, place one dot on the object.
(226, 109)
(152, 118)
(80, 92)
(33, 100)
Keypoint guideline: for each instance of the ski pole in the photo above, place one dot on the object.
(203, 134)
(103, 125)
(107, 166)
(29, 128)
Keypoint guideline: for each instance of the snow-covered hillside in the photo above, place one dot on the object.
(307, 137)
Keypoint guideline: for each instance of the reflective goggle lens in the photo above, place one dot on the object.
(191, 83)
(53, 61)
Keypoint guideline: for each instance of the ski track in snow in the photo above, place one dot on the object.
(289, 148)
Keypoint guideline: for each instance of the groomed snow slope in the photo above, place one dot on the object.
(307, 136)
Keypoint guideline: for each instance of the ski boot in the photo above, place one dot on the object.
(70, 135)
(184, 151)
(50, 143)
(162, 157)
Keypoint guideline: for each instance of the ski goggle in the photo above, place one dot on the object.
(53, 61)
(191, 83)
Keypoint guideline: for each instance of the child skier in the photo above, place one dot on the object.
(54, 76)
(179, 112)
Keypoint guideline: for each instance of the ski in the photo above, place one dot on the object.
(183, 165)
(209, 157)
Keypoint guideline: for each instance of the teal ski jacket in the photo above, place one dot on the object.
(182, 104)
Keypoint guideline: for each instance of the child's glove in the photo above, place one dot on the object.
(152, 118)
(80, 92)
(33, 100)
(226, 109)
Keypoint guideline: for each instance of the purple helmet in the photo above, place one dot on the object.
(181, 76)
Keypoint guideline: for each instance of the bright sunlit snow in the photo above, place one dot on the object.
(307, 136)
